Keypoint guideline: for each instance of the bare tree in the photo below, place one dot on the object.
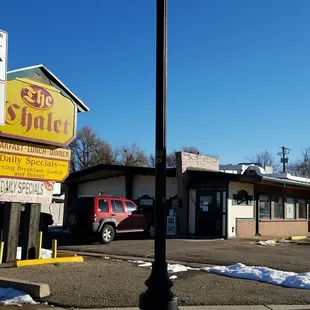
(151, 161)
(301, 168)
(88, 150)
(131, 155)
(265, 158)
(190, 149)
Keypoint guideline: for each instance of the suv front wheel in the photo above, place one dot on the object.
(107, 234)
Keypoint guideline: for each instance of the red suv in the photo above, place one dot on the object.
(107, 216)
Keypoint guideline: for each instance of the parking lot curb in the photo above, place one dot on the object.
(135, 258)
(294, 238)
(35, 290)
(63, 259)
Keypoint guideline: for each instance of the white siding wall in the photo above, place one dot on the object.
(56, 210)
(145, 185)
(113, 186)
(235, 211)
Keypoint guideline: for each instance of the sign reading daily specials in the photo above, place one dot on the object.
(25, 191)
(29, 161)
(38, 113)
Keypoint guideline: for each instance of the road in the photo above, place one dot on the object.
(109, 283)
(288, 257)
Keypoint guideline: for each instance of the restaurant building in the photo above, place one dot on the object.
(209, 200)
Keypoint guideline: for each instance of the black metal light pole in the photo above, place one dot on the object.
(158, 295)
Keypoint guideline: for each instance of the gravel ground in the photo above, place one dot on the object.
(108, 283)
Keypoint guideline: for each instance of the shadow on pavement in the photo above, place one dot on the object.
(65, 238)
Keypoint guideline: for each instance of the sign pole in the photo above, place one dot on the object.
(158, 294)
(11, 231)
(3, 71)
(30, 230)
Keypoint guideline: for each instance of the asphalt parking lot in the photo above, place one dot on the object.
(288, 257)
(99, 283)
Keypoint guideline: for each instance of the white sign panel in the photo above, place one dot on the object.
(25, 191)
(3, 70)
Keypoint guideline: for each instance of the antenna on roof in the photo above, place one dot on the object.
(284, 160)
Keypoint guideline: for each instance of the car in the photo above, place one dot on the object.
(108, 215)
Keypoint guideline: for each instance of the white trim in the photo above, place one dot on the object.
(81, 103)
(25, 68)
(286, 181)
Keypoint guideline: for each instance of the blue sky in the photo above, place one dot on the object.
(238, 70)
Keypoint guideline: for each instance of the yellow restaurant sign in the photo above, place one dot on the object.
(38, 112)
(25, 148)
(33, 168)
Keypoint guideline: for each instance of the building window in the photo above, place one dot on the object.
(264, 207)
(290, 208)
(278, 207)
(302, 209)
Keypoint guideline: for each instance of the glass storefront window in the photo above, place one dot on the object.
(264, 207)
(302, 209)
(278, 207)
(290, 208)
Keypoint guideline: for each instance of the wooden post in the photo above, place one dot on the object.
(11, 231)
(30, 231)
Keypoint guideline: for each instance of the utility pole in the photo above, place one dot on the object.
(158, 295)
(284, 160)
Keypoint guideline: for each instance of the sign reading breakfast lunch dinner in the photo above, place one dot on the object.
(25, 191)
(29, 161)
(38, 112)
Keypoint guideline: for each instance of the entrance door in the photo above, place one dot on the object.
(209, 211)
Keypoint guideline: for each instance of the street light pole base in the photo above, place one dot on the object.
(158, 295)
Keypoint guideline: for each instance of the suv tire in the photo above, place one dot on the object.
(107, 234)
(150, 231)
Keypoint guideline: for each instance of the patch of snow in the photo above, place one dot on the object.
(263, 274)
(267, 242)
(136, 261)
(173, 277)
(9, 296)
(44, 253)
(145, 264)
(173, 268)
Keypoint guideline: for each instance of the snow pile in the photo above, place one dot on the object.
(272, 242)
(241, 271)
(172, 268)
(9, 296)
(267, 242)
(263, 274)
(44, 253)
